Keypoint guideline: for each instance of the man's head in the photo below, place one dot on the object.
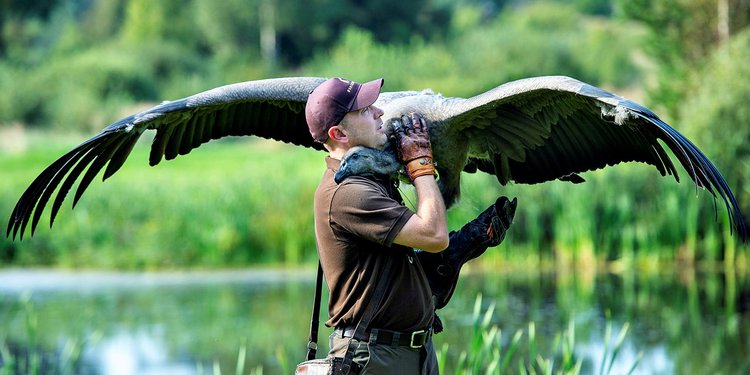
(330, 102)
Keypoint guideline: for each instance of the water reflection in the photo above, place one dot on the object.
(184, 323)
(653, 360)
(127, 353)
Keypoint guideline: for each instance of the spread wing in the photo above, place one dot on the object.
(272, 108)
(545, 128)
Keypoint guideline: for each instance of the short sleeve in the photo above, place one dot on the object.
(363, 208)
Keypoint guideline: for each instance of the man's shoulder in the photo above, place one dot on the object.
(360, 185)
(357, 189)
(360, 181)
(351, 187)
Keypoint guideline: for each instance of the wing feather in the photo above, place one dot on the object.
(198, 136)
(47, 180)
(159, 144)
(186, 144)
(103, 154)
(118, 159)
(80, 164)
(175, 139)
(575, 128)
(272, 108)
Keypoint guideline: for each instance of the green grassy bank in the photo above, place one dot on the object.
(247, 201)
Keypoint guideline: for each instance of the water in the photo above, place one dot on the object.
(190, 323)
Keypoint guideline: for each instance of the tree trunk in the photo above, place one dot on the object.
(723, 21)
(268, 34)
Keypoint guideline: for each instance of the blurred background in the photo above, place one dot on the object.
(205, 263)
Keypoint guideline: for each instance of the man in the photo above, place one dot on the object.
(362, 227)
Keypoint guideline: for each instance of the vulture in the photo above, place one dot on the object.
(527, 131)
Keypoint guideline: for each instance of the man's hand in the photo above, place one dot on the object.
(414, 149)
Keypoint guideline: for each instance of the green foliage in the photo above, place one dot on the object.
(683, 34)
(599, 7)
(521, 46)
(359, 56)
(718, 114)
(474, 59)
(105, 56)
(99, 81)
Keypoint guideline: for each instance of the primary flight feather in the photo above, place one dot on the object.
(527, 131)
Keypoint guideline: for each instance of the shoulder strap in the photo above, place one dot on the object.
(312, 343)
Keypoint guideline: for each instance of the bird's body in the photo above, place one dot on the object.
(528, 131)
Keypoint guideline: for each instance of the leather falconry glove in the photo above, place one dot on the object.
(413, 146)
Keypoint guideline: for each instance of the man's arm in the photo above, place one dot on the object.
(428, 229)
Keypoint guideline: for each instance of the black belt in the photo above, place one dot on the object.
(414, 340)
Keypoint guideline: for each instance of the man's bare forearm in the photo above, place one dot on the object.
(428, 229)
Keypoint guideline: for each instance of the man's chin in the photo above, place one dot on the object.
(383, 145)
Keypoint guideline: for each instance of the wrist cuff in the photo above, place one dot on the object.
(420, 167)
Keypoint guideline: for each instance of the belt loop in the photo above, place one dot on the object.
(374, 336)
(396, 337)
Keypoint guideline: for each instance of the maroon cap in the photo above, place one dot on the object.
(333, 99)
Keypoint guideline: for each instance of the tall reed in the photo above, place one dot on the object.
(33, 357)
(490, 354)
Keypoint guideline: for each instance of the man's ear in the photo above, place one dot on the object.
(336, 133)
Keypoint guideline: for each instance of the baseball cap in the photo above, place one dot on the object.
(333, 99)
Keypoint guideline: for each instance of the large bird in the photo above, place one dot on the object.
(527, 131)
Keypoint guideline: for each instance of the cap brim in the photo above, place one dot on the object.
(368, 94)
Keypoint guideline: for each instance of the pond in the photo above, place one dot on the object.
(201, 322)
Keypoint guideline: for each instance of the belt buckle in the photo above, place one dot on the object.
(411, 341)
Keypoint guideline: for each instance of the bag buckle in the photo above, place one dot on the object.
(413, 336)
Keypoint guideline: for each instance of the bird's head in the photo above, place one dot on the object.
(366, 161)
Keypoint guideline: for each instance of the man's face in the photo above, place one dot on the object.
(364, 127)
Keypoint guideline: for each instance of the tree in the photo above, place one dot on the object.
(684, 34)
(17, 18)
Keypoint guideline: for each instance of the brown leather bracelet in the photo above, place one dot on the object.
(420, 167)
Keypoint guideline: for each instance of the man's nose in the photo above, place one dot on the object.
(378, 112)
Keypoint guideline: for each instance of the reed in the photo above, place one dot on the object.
(32, 356)
(489, 354)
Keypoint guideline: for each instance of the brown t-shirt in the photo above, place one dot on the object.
(355, 224)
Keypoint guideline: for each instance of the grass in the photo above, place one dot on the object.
(246, 201)
(240, 209)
